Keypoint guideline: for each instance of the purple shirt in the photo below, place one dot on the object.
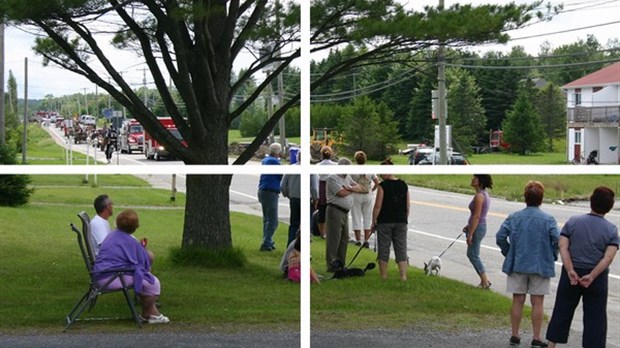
(122, 251)
(485, 208)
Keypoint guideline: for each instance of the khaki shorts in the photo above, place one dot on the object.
(525, 283)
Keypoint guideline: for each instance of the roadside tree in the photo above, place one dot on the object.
(195, 44)
(465, 111)
(551, 106)
(522, 127)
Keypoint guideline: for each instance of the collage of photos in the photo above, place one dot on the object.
(283, 173)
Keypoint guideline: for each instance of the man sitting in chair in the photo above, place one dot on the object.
(99, 225)
(120, 250)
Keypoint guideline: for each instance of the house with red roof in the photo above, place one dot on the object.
(593, 115)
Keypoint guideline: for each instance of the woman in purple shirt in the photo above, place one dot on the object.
(121, 250)
(476, 227)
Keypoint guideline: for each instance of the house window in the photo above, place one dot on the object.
(596, 89)
(577, 136)
(577, 96)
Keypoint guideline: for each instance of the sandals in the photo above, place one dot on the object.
(155, 319)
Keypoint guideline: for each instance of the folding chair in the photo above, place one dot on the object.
(89, 299)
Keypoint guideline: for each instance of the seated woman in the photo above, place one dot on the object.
(120, 250)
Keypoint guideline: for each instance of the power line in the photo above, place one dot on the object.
(492, 67)
(563, 31)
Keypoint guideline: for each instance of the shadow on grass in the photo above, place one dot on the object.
(199, 257)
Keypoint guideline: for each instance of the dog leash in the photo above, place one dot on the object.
(454, 241)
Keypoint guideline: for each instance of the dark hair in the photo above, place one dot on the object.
(127, 221)
(100, 203)
(533, 193)
(485, 180)
(387, 161)
(602, 200)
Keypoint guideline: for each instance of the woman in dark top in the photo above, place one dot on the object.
(390, 216)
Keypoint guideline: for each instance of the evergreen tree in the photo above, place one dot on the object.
(419, 121)
(551, 105)
(522, 127)
(465, 111)
(368, 127)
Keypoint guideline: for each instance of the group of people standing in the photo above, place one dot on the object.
(529, 239)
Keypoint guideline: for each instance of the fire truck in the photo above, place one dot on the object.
(131, 137)
(153, 150)
(496, 140)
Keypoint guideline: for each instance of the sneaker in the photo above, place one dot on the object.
(515, 341)
(539, 344)
(158, 319)
(366, 245)
(358, 243)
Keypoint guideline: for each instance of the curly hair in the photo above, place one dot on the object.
(127, 221)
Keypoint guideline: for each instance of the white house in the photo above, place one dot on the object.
(593, 103)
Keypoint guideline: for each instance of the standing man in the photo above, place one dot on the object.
(99, 225)
(291, 189)
(528, 240)
(268, 194)
(339, 201)
(588, 245)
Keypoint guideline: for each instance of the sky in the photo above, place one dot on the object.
(57, 82)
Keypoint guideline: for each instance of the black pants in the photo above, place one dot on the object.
(594, 310)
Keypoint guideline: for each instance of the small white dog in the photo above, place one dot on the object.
(434, 265)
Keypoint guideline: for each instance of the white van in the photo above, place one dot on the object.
(88, 120)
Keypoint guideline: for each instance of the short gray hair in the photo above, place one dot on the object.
(344, 161)
(275, 149)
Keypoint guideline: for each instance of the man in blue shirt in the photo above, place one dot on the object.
(268, 194)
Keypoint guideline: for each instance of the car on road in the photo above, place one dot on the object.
(456, 158)
(88, 120)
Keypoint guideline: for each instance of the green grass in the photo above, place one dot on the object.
(435, 302)
(42, 149)
(43, 274)
(557, 187)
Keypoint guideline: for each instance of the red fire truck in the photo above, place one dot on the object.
(496, 140)
(152, 149)
(131, 137)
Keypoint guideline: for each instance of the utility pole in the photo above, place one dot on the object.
(25, 135)
(2, 115)
(86, 102)
(270, 106)
(144, 86)
(441, 80)
(282, 124)
(97, 113)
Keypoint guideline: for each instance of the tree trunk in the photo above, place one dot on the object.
(207, 212)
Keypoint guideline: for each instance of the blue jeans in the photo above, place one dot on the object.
(269, 204)
(473, 250)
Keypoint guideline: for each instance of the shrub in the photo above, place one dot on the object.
(14, 189)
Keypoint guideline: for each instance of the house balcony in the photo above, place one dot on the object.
(601, 116)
